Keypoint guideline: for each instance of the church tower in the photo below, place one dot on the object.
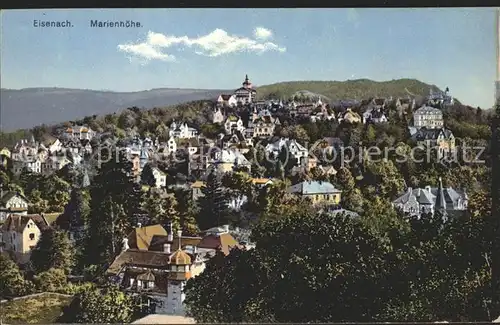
(179, 273)
(247, 84)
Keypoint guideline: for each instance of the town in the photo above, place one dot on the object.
(145, 207)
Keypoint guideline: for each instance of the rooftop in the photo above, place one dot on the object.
(313, 187)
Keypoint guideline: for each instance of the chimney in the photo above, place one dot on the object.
(179, 235)
(166, 248)
(170, 233)
(139, 225)
(226, 228)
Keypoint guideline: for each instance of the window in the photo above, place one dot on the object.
(32, 236)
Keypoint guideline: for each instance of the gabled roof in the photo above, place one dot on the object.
(17, 222)
(428, 110)
(158, 260)
(225, 97)
(313, 187)
(9, 195)
(159, 240)
(223, 242)
(140, 238)
(432, 134)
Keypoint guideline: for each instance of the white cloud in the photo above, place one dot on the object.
(262, 33)
(214, 44)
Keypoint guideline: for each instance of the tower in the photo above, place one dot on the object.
(179, 273)
(247, 83)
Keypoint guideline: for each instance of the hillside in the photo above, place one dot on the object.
(350, 89)
(29, 107)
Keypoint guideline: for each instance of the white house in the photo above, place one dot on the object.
(227, 100)
(217, 115)
(12, 202)
(80, 132)
(182, 131)
(233, 123)
(160, 177)
(294, 149)
(428, 117)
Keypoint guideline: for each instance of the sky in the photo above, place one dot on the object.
(215, 48)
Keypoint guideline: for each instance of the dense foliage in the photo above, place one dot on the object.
(318, 268)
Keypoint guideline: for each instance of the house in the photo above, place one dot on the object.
(317, 191)
(56, 146)
(218, 239)
(160, 177)
(350, 117)
(379, 103)
(5, 152)
(20, 234)
(79, 132)
(428, 117)
(160, 275)
(439, 98)
(182, 131)
(374, 116)
(245, 94)
(405, 104)
(440, 139)
(294, 149)
(12, 203)
(196, 190)
(54, 163)
(187, 243)
(306, 164)
(170, 147)
(5, 155)
(217, 115)
(225, 100)
(423, 200)
(32, 164)
(226, 160)
(264, 126)
(233, 124)
(140, 238)
(235, 140)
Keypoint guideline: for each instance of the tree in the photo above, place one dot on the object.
(213, 204)
(53, 250)
(494, 219)
(116, 200)
(299, 259)
(12, 281)
(385, 176)
(75, 213)
(106, 305)
(187, 212)
(52, 280)
(147, 176)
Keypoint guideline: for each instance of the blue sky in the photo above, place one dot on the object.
(215, 48)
